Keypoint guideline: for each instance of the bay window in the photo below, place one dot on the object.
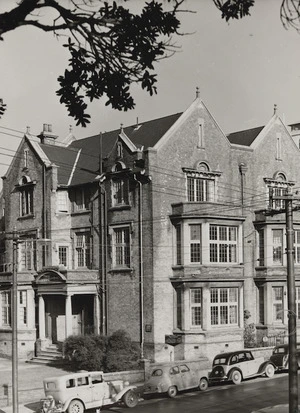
(224, 306)
(222, 244)
(278, 305)
(196, 310)
(277, 238)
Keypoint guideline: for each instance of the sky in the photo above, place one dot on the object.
(242, 69)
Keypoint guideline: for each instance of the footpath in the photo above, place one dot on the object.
(30, 384)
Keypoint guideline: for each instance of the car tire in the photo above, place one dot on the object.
(76, 406)
(269, 370)
(203, 384)
(172, 391)
(236, 377)
(130, 399)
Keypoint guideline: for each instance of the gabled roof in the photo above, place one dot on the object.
(244, 137)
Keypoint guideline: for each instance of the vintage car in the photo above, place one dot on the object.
(74, 393)
(175, 377)
(280, 356)
(238, 365)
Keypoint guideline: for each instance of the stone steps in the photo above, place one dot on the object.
(50, 355)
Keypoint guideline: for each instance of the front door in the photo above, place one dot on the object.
(55, 317)
(76, 324)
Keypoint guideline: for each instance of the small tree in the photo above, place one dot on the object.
(121, 352)
(249, 331)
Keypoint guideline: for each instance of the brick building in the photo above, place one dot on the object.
(157, 228)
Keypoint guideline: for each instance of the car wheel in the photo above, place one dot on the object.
(172, 391)
(269, 371)
(76, 406)
(236, 377)
(203, 384)
(130, 399)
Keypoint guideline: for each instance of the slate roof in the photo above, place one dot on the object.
(244, 137)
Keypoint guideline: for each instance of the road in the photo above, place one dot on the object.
(227, 398)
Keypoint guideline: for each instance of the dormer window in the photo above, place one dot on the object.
(277, 187)
(26, 187)
(201, 185)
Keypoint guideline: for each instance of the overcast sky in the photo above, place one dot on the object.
(242, 69)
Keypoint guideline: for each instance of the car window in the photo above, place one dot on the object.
(220, 360)
(280, 350)
(97, 379)
(184, 368)
(157, 373)
(174, 370)
(234, 359)
(249, 356)
(242, 357)
(50, 385)
(70, 383)
(82, 381)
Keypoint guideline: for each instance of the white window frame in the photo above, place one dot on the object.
(27, 254)
(83, 249)
(80, 199)
(277, 247)
(221, 310)
(22, 308)
(6, 308)
(26, 201)
(196, 307)
(62, 200)
(195, 244)
(200, 189)
(278, 304)
(222, 246)
(121, 247)
(66, 247)
(120, 192)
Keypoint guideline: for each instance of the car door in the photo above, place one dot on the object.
(175, 377)
(188, 381)
(100, 389)
(251, 364)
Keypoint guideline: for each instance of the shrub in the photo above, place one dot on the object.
(85, 352)
(114, 353)
(121, 352)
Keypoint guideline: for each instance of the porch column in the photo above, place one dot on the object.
(96, 314)
(42, 334)
(68, 311)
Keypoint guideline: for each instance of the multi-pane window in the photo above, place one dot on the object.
(178, 245)
(224, 306)
(222, 244)
(195, 243)
(62, 201)
(81, 199)
(22, 307)
(196, 301)
(121, 247)
(278, 304)
(120, 192)
(297, 246)
(27, 254)
(63, 255)
(6, 308)
(261, 247)
(83, 249)
(26, 201)
(261, 303)
(179, 308)
(199, 189)
(277, 237)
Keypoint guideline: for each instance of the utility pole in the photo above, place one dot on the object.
(291, 289)
(14, 318)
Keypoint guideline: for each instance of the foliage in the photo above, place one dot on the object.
(250, 335)
(85, 352)
(110, 47)
(121, 353)
(94, 352)
(234, 9)
(2, 107)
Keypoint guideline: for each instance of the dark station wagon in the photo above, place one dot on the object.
(238, 365)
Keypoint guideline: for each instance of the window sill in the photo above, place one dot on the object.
(119, 207)
(82, 212)
(121, 269)
(29, 216)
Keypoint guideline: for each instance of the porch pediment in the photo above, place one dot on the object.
(50, 276)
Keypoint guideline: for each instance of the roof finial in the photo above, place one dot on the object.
(197, 92)
(28, 129)
(70, 129)
(275, 109)
(121, 127)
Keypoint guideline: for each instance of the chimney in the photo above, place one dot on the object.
(47, 136)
